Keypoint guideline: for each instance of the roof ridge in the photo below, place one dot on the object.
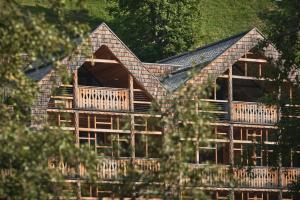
(204, 47)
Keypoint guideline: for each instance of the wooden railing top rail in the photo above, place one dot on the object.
(256, 177)
(101, 88)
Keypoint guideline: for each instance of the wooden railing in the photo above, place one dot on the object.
(216, 176)
(110, 168)
(219, 108)
(209, 175)
(256, 177)
(256, 113)
(99, 98)
(62, 97)
(290, 175)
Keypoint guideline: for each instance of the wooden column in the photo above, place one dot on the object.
(75, 88)
(131, 106)
(75, 105)
(280, 156)
(230, 98)
(78, 172)
(76, 125)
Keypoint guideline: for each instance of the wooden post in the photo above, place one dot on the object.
(280, 156)
(78, 183)
(230, 98)
(246, 65)
(75, 88)
(215, 90)
(76, 124)
(259, 70)
(230, 94)
(291, 93)
(231, 147)
(131, 106)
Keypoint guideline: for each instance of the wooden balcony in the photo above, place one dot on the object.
(103, 98)
(254, 113)
(244, 112)
(62, 98)
(216, 176)
(110, 169)
(99, 98)
(255, 177)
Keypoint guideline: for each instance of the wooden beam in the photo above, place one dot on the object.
(66, 85)
(252, 78)
(92, 60)
(99, 130)
(142, 102)
(58, 110)
(236, 124)
(253, 60)
(61, 97)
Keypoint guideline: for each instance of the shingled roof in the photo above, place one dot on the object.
(195, 59)
(170, 73)
(39, 72)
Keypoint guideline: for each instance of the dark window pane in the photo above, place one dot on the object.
(206, 155)
(83, 134)
(140, 146)
(154, 145)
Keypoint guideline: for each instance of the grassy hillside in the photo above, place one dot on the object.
(223, 18)
(220, 18)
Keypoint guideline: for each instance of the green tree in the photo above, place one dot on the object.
(283, 29)
(156, 29)
(186, 125)
(27, 38)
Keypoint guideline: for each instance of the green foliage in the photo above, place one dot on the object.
(30, 38)
(283, 28)
(284, 32)
(186, 126)
(25, 155)
(157, 29)
(218, 19)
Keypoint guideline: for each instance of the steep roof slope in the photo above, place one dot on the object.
(39, 72)
(203, 54)
(211, 58)
(195, 59)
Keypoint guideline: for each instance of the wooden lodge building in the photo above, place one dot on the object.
(115, 85)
